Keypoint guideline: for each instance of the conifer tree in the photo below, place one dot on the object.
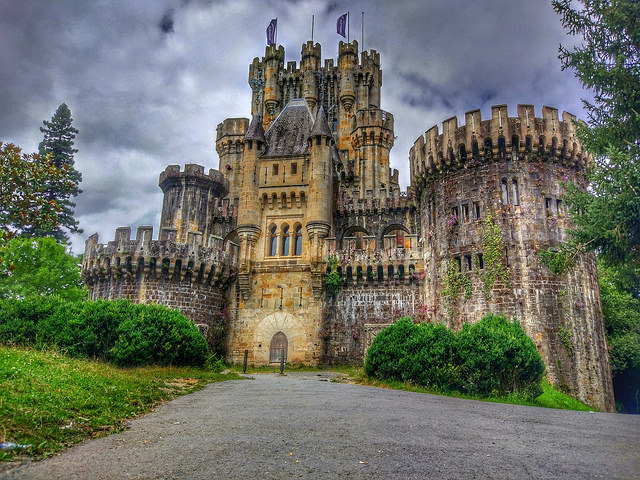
(607, 215)
(58, 142)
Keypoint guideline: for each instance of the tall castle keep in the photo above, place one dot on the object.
(244, 250)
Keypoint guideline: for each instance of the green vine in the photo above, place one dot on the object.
(492, 249)
(452, 283)
(565, 338)
(333, 280)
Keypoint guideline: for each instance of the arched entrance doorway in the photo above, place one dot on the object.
(279, 342)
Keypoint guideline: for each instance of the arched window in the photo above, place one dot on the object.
(298, 247)
(285, 240)
(273, 241)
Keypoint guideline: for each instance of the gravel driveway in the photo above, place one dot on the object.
(302, 425)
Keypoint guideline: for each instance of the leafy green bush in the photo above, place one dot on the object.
(389, 349)
(117, 331)
(494, 356)
(158, 335)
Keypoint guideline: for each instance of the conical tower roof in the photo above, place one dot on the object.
(255, 130)
(320, 126)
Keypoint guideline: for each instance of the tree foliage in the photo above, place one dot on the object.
(23, 203)
(607, 215)
(39, 267)
(58, 143)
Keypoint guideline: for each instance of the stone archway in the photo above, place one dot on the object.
(279, 323)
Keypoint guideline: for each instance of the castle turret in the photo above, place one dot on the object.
(190, 198)
(229, 137)
(274, 64)
(249, 211)
(372, 139)
(309, 66)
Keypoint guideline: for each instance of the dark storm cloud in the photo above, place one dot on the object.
(166, 23)
(148, 81)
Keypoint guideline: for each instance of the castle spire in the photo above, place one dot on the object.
(320, 126)
(255, 130)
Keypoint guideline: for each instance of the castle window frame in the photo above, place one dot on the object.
(273, 241)
(294, 168)
(516, 193)
(505, 192)
(476, 207)
(274, 170)
(298, 241)
(286, 240)
(480, 260)
(467, 261)
(465, 211)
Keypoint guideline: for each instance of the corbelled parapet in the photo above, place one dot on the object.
(524, 137)
(372, 126)
(231, 127)
(142, 258)
(191, 198)
(193, 173)
(311, 56)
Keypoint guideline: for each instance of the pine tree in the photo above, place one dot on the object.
(58, 141)
(607, 215)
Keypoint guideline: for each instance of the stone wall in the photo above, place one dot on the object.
(357, 313)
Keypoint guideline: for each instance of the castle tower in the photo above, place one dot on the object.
(190, 198)
(273, 64)
(372, 138)
(229, 137)
(249, 208)
(310, 66)
(513, 169)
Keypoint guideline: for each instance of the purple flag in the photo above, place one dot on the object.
(271, 31)
(341, 25)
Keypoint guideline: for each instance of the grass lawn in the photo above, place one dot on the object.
(50, 401)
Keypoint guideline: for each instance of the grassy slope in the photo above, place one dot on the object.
(50, 401)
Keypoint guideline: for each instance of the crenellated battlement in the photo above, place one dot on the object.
(232, 127)
(524, 137)
(143, 258)
(384, 202)
(349, 50)
(194, 173)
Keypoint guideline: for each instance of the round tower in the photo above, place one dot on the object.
(190, 198)
(274, 64)
(309, 66)
(229, 136)
(509, 173)
(347, 60)
(372, 138)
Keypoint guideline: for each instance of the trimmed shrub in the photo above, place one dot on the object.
(117, 331)
(389, 349)
(494, 356)
(157, 335)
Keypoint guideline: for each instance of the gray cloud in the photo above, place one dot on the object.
(148, 81)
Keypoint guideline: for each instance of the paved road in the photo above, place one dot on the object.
(303, 426)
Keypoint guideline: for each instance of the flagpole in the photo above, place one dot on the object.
(348, 25)
(362, 37)
(312, 22)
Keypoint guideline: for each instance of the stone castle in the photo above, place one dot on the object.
(244, 250)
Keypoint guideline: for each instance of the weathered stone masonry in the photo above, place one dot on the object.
(308, 179)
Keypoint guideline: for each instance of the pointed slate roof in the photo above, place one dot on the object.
(320, 126)
(289, 132)
(255, 130)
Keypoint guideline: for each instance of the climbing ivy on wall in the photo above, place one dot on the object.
(492, 248)
(333, 280)
(453, 282)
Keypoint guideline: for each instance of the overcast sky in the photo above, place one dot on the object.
(147, 81)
